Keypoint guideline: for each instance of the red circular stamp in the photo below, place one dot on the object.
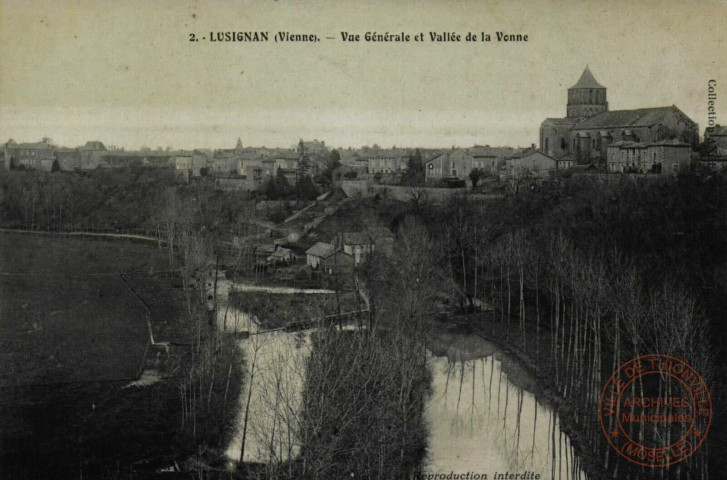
(655, 410)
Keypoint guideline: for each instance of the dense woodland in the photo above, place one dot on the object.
(127, 199)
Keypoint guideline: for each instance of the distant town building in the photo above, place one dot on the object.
(318, 252)
(338, 264)
(564, 163)
(584, 135)
(490, 159)
(91, 154)
(249, 168)
(287, 160)
(665, 157)
(717, 135)
(43, 156)
(36, 156)
(360, 245)
(450, 164)
(387, 160)
(226, 163)
(69, 159)
(531, 163)
(190, 164)
(353, 158)
(281, 256)
(458, 163)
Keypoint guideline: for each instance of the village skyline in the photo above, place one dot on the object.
(229, 144)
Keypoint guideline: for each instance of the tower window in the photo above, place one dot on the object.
(563, 144)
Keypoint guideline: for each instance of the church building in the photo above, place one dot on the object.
(584, 135)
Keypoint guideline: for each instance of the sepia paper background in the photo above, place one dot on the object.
(125, 72)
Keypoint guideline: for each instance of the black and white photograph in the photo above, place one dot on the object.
(406, 240)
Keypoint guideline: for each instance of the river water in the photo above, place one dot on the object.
(273, 382)
(482, 415)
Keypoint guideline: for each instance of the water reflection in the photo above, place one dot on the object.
(483, 417)
(271, 397)
(269, 402)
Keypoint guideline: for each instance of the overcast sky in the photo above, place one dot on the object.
(125, 72)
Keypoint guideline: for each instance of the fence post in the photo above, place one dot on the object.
(143, 361)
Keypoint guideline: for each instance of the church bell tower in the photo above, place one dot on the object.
(587, 97)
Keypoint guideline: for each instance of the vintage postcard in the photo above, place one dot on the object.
(379, 240)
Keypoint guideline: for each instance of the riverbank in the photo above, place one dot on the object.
(275, 308)
(530, 348)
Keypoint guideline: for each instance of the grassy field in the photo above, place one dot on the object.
(72, 334)
(65, 314)
(24, 253)
(58, 330)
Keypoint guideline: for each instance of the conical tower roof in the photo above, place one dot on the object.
(239, 144)
(587, 80)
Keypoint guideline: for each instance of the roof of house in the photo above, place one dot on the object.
(523, 153)
(627, 144)
(527, 155)
(350, 155)
(567, 157)
(386, 153)
(486, 151)
(530, 153)
(717, 130)
(446, 154)
(640, 117)
(672, 143)
(281, 253)
(266, 248)
(225, 154)
(321, 249)
(94, 145)
(666, 143)
(288, 155)
(560, 121)
(42, 145)
(337, 257)
(587, 80)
